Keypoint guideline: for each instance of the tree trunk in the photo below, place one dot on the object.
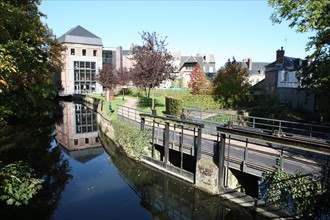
(123, 93)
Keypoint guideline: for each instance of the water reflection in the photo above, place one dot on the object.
(169, 198)
(33, 143)
(82, 181)
(78, 128)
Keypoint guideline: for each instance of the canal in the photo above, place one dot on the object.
(87, 177)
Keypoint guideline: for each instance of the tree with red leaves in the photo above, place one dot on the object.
(107, 77)
(152, 62)
(198, 82)
(123, 78)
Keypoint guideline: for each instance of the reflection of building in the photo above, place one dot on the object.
(78, 129)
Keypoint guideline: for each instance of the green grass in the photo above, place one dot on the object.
(146, 103)
(114, 103)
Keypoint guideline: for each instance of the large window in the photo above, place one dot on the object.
(84, 77)
(86, 120)
(107, 56)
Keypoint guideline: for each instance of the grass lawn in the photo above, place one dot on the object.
(117, 101)
(146, 103)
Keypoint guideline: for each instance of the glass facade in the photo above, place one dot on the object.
(86, 120)
(84, 77)
(107, 56)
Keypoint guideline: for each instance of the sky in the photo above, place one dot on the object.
(225, 28)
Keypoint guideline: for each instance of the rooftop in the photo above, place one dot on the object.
(80, 35)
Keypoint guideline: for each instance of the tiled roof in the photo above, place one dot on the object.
(257, 67)
(289, 63)
(191, 59)
(80, 35)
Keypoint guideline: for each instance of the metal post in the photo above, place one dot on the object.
(198, 148)
(245, 156)
(221, 161)
(166, 142)
(143, 121)
(153, 139)
(228, 154)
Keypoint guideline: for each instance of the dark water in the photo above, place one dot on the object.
(82, 180)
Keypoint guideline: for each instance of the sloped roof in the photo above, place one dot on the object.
(80, 35)
(256, 66)
(191, 59)
(289, 63)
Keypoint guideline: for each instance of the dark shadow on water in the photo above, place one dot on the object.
(166, 197)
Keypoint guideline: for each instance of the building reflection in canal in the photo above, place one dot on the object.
(77, 132)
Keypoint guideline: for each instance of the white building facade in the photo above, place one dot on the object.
(82, 61)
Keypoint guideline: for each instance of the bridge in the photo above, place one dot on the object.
(249, 148)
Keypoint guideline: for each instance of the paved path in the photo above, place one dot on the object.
(131, 102)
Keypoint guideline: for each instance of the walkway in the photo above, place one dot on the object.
(131, 102)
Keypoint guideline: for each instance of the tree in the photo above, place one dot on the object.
(231, 84)
(124, 77)
(107, 76)
(198, 82)
(310, 15)
(152, 63)
(30, 56)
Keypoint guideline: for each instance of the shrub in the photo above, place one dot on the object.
(205, 102)
(173, 105)
(131, 139)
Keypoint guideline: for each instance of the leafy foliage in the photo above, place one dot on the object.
(198, 82)
(152, 62)
(132, 140)
(231, 84)
(310, 16)
(124, 77)
(30, 56)
(17, 183)
(107, 76)
(294, 193)
(205, 102)
(173, 105)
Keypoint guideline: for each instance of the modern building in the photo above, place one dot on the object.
(82, 60)
(85, 55)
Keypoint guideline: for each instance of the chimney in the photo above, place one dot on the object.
(250, 63)
(280, 56)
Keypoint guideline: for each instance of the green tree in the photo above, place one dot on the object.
(30, 56)
(314, 16)
(231, 84)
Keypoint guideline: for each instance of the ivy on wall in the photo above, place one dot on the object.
(296, 193)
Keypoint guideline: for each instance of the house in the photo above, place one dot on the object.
(256, 70)
(281, 79)
(82, 60)
(206, 62)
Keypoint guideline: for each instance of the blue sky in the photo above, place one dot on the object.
(227, 29)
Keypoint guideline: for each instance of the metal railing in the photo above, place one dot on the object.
(131, 115)
(266, 125)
